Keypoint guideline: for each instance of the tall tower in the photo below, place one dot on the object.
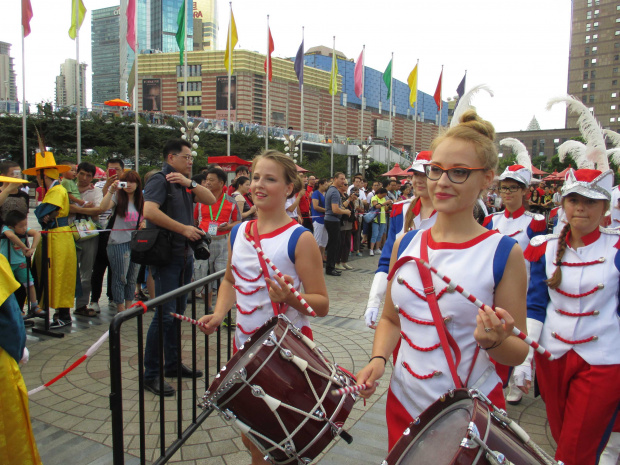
(594, 60)
(205, 24)
(157, 28)
(8, 87)
(105, 54)
(66, 90)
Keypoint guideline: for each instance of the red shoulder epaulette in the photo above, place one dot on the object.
(538, 225)
(397, 209)
(537, 247)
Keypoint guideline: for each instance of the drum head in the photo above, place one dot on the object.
(440, 441)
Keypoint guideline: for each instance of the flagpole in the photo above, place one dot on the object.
(331, 169)
(362, 105)
(184, 63)
(24, 132)
(229, 78)
(391, 99)
(77, 79)
(301, 145)
(415, 111)
(267, 94)
(440, 100)
(136, 108)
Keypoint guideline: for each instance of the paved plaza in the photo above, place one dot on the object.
(71, 419)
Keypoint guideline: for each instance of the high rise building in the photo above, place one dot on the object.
(66, 89)
(8, 87)
(594, 60)
(105, 54)
(157, 28)
(205, 24)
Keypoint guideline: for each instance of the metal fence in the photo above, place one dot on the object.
(192, 422)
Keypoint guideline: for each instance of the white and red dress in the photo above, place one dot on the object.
(581, 328)
(421, 372)
(254, 307)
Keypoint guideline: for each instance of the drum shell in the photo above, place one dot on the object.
(500, 438)
(284, 381)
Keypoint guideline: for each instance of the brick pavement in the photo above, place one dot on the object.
(76, 411)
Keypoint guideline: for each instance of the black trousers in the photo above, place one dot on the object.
(101, 263)
(333, 243)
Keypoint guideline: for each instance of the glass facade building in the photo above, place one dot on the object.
(105, 54)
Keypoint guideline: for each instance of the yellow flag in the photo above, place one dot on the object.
(412, 80)
(76, 25)
(333, 80)
(231, 41)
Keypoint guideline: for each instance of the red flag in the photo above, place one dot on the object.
(268, 59)
(437, 95)
(357, 75)
(26, 16)
(131, 24)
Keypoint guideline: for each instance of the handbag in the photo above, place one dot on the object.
(152, 247)
(371, 215)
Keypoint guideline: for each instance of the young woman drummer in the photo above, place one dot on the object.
(258, 293)
(484, 262)
(407, 215)
(572, 307)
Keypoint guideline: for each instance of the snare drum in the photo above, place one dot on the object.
(465, 428)
(277, 391)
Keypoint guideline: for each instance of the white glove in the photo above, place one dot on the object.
(371, 317)
(523, 372)
(25, 357)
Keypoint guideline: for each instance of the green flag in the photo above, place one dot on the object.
(387, 78)
(181, 20)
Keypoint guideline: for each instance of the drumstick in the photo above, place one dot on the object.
(473, 299)
(351, 389)
(189, 320)
(279, 273)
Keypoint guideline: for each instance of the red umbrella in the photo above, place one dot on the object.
(300, 169)
(536, 171)
(396, 171)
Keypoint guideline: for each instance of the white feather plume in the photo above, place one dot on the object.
(577, 151)
(612, 136)
(614, 154)
(523, 157)
(589, 127)
(465, 102)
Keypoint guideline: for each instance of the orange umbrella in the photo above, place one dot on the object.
(117, 102)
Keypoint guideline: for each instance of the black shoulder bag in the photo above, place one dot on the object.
(152, 247)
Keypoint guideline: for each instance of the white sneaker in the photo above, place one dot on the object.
(379, 251)
(347, 266)
(95, 307)
(339, 267)
(514, 393)
(372, 253)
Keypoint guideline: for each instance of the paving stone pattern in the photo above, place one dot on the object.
(71, 419)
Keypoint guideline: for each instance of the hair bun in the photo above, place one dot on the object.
(471, 119)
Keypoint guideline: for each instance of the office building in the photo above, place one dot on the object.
(156, 32)
(66, 86)
(8, 86)
(594, 60)
(205, 24)
(105, 55)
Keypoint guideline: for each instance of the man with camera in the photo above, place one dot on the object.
(168, 200)
(218, 220)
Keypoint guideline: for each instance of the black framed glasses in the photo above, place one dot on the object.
(507, 189)
(457, 175)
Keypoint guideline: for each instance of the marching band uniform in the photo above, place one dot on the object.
(578, 323)
(421, 372)
(396, 229)
(615, 208)
(254, 307)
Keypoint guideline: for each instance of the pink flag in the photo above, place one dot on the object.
(26, 16)
(358, 75)
(131, 24)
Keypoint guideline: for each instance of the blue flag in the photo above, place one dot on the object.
(460, 90)
(299, 64)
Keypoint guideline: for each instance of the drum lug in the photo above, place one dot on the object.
(319, 414)
(289, 449)
(469, 442)
(227, 415)
(497, 458)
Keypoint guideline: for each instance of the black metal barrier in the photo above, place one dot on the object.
(116, 383)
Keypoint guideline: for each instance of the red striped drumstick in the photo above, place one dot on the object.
(279, 273)
(190, 320)
(473, 299)
(351, 389)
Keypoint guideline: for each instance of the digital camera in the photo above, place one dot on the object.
(122, 184)
(201, 247)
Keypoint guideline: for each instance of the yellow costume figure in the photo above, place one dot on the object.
(52, 214)
(17, 444)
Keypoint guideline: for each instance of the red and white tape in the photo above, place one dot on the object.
(279, 273)
(473, 299)
(351, 389)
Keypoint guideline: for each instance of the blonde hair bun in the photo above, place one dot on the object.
(471, 119)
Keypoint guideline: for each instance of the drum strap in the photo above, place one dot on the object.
(446, 339)
(277, 308)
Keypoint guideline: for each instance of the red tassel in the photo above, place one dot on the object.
(533, 253)
(487, 220)
(538, 225)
